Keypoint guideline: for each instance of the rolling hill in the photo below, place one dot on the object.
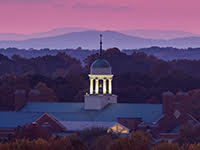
(90, 40)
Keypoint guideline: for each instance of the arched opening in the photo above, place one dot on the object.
(100, 86)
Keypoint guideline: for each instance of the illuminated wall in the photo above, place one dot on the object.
(95, 84)
(117, 128)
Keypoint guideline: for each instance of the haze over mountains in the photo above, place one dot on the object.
(80, 37)
(54, 32)
(159, 34)
(150, 34)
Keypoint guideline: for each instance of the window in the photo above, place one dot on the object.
(46, 125)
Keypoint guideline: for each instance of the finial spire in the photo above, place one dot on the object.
(100, 46)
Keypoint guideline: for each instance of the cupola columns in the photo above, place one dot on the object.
(106, 86)
(97, 86)
(110, 86)
(91, 86)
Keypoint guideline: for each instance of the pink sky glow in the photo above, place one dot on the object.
(29, 16)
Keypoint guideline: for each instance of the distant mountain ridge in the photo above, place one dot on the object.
(12, 36)
(50, 33)
(159, 34)
(86, 39)
(90, 39)
(147, 33)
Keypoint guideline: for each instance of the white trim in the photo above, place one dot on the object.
(193, 118)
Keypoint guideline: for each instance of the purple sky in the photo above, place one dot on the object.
(29, 16)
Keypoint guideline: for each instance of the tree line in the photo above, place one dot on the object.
(138, 78)
(97, 139)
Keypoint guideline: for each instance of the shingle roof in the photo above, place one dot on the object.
(52, 107)
(75, 112)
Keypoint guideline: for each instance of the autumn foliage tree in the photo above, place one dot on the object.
(136, 141)
(102, 141)
(64, 143)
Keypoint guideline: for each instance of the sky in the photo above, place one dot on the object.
(30, 16)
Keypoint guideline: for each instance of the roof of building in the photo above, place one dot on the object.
(81, 125)
(15, 119)
(100, 63)
(76, 112)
